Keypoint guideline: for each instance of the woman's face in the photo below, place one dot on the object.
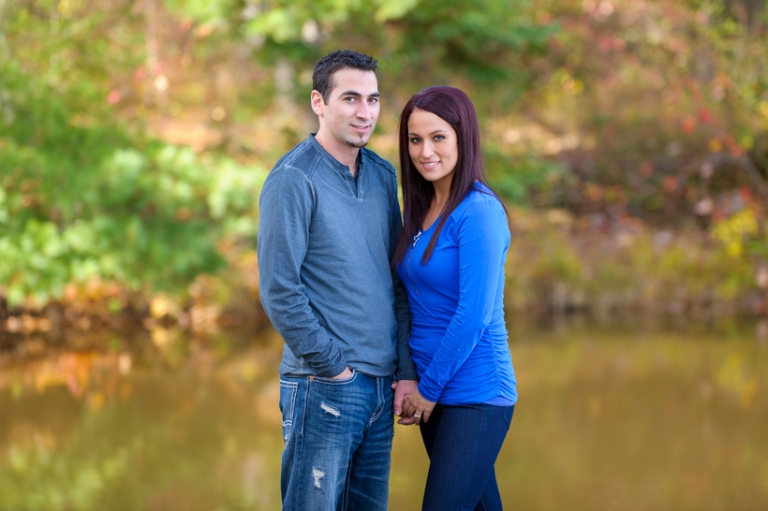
(433, 147)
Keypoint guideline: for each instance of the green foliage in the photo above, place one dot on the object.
(71, 47)
(285, 20)
(482, 43)
(206, 11)
(513, 176)
(485, 42)
(78, 203)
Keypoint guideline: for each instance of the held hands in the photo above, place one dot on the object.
(417, 407)
(414, 407)
(403, 389)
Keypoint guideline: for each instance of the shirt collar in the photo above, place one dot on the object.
(361, 157)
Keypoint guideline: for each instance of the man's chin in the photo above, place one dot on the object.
(359, 144)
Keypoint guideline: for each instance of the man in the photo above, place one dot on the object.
(329, 220)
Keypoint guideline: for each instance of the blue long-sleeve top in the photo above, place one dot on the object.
(325, 241)
(458, 335)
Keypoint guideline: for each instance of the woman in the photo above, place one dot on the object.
(450, 257)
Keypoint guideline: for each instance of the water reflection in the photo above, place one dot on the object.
(609, 418)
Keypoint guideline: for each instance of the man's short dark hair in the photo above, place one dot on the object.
(322, 77)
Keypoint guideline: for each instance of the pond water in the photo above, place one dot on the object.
(610, 418)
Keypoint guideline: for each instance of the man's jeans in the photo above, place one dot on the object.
(463, 442)
(338, 439)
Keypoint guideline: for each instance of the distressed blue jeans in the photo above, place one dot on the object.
(338, 439)
(462, 442)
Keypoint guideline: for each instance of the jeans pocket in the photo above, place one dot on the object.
(341, 381)
(288, 392)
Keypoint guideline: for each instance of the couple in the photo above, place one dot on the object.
(378, 316)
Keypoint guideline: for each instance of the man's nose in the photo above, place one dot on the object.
(364, 110)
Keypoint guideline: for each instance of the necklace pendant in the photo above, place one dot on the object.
(416, 239)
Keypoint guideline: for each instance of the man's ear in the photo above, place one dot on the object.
(317, 103)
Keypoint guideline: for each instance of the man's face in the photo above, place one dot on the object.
(350, 115)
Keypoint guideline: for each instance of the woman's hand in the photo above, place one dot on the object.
(403, 389)
(418, 407)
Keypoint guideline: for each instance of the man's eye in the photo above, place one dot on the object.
(373, 100)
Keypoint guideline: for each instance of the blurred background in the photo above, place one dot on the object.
(628, 138)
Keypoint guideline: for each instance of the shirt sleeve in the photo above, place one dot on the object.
(483, 238)
(285, 215)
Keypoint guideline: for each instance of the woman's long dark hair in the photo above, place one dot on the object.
(454, 107)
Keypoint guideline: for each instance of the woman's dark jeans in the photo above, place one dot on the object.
(463, 442)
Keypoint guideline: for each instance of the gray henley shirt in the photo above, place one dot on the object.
(324, 243)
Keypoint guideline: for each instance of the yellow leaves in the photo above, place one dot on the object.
(714, 145)
(161, 337)
(68, 8)
(162, 306)
(733, 232)
(762, 108)
(571, 85)
(734, 249)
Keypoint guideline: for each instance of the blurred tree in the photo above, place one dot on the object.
(653, 97)
(655, 108)
(486, 42)
(485, 47)
(85, 193)
(81, 197)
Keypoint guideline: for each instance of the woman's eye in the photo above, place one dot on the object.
(415, 140)
(438, 138)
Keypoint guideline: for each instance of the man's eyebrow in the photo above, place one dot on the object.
(358, 95)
